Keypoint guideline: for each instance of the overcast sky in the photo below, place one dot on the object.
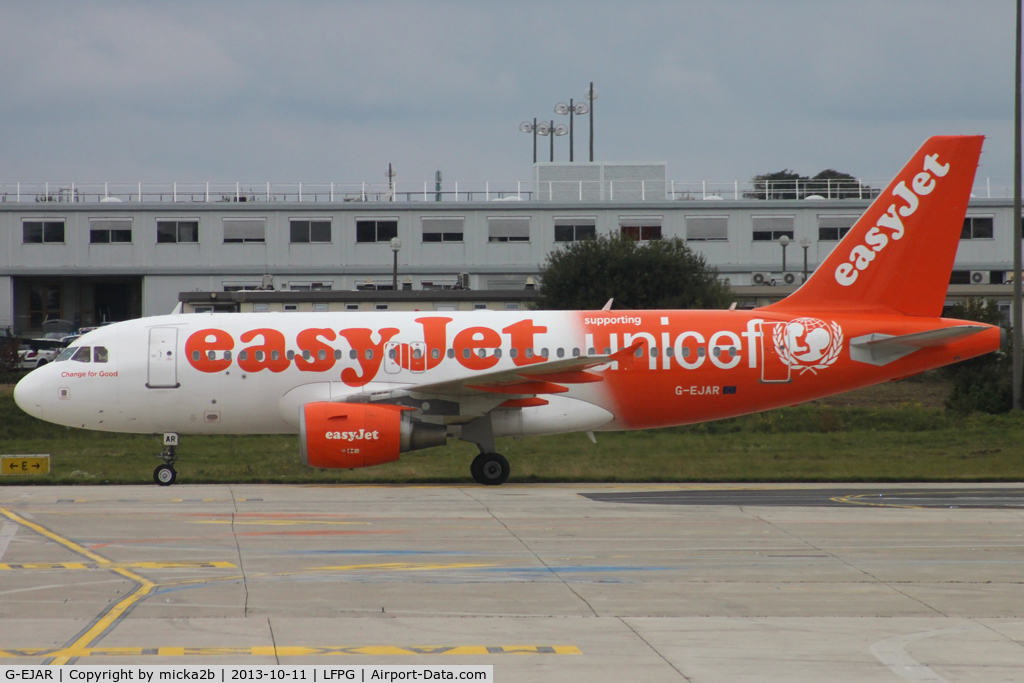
(333, 91)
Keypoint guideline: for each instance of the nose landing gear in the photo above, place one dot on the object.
(165, 474)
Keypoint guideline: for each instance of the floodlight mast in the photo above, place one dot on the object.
(571, 109)
(1015, 319)
(546, 128)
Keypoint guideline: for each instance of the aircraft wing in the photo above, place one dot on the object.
(548, 377)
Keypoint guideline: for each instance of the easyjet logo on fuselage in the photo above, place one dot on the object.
(890, 224)
(483, 348)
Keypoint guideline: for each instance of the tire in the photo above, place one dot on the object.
(41, 363)
(474, 468)
(493, 468)
(165, 475)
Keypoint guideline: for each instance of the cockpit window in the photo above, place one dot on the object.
(82, 354)
(99, 354)
(65, 354)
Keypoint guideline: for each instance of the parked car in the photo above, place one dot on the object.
(29, 358)
(35, 353)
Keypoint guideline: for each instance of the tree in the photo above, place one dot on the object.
(778, 185)
(983, 383)
(663, 273)
(787, 184)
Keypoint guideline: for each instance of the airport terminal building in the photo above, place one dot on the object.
(102, 253)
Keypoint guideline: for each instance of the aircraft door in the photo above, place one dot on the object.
(163, 358)
(418, 356)
(392, 358)
(774, 351)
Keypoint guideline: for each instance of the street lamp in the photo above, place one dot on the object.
(784, 241)
(535, 128)
(805, 242)
(545, 128)
(570, 109)
(396, 246)
(591, 95)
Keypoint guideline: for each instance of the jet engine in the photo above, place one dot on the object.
(351, 435)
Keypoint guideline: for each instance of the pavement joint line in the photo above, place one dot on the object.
(111, 616)
(291, 651)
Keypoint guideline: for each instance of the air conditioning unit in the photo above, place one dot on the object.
(761, 278)
(979, 277)
(789, 278)
(463, 281)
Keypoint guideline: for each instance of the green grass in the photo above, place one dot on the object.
(817, 443)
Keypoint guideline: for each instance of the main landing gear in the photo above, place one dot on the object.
(165, 474)
(490, 469)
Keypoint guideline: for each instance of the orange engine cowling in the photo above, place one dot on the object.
(350, 435)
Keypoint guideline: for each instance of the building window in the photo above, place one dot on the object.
(834, 228)
(642, 228)
(171, 232)
(376, 231)
(310, 231)
(351, 307)
(44, 303)
(977, 228)
(769, 228)
(42, 232)
(508, 229)
(443, 229)
(960, 277)
(707, 228)
(244, 230)
(310, 286)
(575, 229)
(107, 231)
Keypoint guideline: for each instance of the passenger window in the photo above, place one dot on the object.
(337, 354)
(242, 355)
(352, 354)
(639, 353)
(575, 353)
(275, 354)
(607, 351)
(513, 353)
(99, 354)
(497, 353)
(435, 353)
(451, 353)
(529, 353)
(686, 352)
(82, 354)
(716, 352)
(560, 352)
(544, 353)
(289, 354)
(700, 351)
(369, 354)
(321, 354)
(227, 355)
(465, 353)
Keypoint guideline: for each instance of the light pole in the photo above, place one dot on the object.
(591, 95)
(535, 128)
(1018, 305)
(396, 246)
(805, 242)
(570, 109)
(391, 183)
(545, 128)
(784, 241)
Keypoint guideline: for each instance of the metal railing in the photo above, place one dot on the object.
(455, 191)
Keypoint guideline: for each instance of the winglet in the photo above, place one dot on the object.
(608, 306)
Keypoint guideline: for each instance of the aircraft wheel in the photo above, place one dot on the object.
(493, 469)
(474, 468)
(165, 475)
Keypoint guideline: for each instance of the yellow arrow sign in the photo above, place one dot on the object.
(24, 464)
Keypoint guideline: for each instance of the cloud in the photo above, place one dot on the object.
(336, 90)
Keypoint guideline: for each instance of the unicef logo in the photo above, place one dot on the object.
(808, 344)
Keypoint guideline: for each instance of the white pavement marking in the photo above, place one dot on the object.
(7, 531)
(891, 652)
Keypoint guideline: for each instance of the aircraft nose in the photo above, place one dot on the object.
(28, 394)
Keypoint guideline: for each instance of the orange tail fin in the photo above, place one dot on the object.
(899, 255)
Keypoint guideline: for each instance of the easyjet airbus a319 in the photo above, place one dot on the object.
(362, 388)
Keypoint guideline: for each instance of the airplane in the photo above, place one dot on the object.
(359, 389)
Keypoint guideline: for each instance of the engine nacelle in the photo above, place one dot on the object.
(350, 435)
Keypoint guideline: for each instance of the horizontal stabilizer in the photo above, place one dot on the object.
(882, 349)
